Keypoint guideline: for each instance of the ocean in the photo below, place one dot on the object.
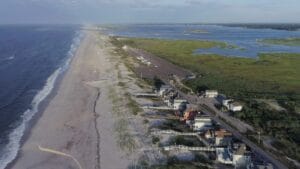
(31, 60)
(246, 40)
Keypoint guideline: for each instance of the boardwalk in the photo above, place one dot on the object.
(187, 148)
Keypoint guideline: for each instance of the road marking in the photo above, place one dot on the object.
(47, 150)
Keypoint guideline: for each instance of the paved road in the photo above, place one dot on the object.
(194, 99)
(256, 149)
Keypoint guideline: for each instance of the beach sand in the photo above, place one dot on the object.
(78, 120)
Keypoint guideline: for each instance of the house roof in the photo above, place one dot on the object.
(222, 133)
(211, 91)
(241, 150)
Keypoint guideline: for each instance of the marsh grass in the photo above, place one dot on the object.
(285, 41)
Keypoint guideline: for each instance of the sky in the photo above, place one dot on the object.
(149, 11)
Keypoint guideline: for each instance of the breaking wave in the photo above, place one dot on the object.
(10, 150)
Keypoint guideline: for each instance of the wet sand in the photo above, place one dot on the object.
(78, 120)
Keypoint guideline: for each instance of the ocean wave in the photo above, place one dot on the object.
(10, 151)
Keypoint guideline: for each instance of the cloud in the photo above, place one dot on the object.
(98, 11)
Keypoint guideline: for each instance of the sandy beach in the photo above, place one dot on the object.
(78, 120)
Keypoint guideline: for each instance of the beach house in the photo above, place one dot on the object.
(202, 123)
(211, 93)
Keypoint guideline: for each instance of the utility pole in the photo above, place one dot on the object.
(259, 136)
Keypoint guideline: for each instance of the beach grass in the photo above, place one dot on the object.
(125, 139)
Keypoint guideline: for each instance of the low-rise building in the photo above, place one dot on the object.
(179, 103)
(235, 106)
(211, 93)
(164, 89)
(226, 102)
(224, 155)
(232, 105)
(202, 123)
(241, 157)
(190, 114)
(220, 138)
(209, 134)
(223, 137)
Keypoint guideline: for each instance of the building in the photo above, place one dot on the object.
(224, 155)
(190, 115)
(209, 134)
(125, 47)
(222, 137)
(226, 102)
(231, 105)
(179, 103)
(169, 102)
(202, 123)
(235, 106)
(211, 93)
(241, 157)
(164, 89)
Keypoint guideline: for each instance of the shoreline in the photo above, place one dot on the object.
(77, 119)
(64, 68)
(41, 108)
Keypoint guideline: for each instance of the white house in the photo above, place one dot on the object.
(231, 105)
(178, 103)
(226, 102)
(224, 155)
(223, 137)
(235, 106)
(240, 157)
(164, 89)
(211, 93)
(202, 123)
(125, 47)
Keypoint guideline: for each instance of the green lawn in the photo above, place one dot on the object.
(286, 41)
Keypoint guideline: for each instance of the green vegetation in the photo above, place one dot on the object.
(281, 125)
(200, 162)
(190, 141)
(155, 139)
(180, 166)
(132, 105)
(271, 76)
(175, 125)
(286, 41)
(124, 139)
(157, 83)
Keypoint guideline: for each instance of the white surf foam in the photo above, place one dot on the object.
(10, 151)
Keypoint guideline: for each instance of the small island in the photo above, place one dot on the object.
(196, 31)
(285, 41)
